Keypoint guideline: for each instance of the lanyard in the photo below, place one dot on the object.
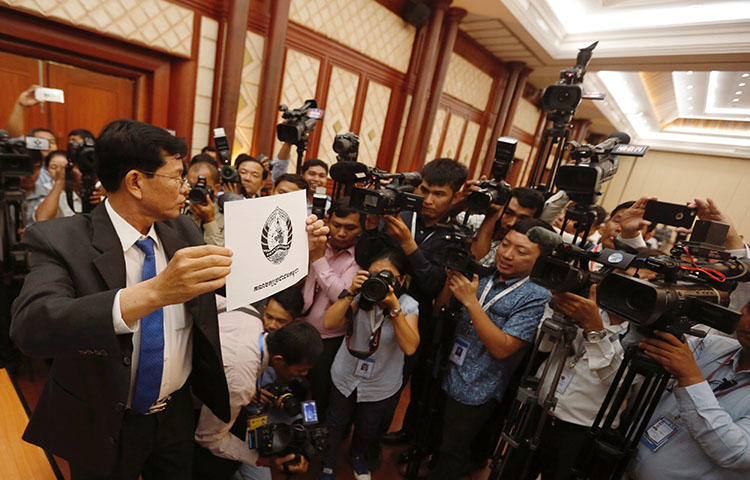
(736, 387)
(374, 326)
(260, 373)
(488, 287)
(414, 229)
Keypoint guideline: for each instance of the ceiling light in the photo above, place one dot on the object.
(690, 107)
(735, 99)
(741, 84)
(738, 92)
(689, 72)
(745, 75)
(689, 87)
(690, 98)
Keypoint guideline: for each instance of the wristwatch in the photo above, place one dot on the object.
(394, 313)
(595, 336)
(345, 293)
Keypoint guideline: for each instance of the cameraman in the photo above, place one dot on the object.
(246, 351)
(206, 214)
(703, 420)
(498, 322)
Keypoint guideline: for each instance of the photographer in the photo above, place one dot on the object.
(55, 203)
(524, 203)
(332, 269)
(246, 352)
(206, 214)
(701, 426)
(497, 325)
(367, 372)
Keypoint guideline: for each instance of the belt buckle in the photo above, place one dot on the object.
(158, 406)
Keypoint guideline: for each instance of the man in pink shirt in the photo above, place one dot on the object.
(332, 268)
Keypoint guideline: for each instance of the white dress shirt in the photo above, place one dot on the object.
(178, 334)
(239, 334)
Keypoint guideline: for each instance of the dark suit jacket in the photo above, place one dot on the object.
(64, 312)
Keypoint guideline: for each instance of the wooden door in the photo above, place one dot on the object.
(92, 99)
(18, 73)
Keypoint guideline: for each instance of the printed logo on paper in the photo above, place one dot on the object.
(276, 236)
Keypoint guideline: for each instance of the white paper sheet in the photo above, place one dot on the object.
(268, 238)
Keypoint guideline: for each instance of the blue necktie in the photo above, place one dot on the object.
(151, 357)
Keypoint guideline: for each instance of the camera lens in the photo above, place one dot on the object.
(374, 289)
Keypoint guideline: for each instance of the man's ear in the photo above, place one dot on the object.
(277, 361)
(133, 183)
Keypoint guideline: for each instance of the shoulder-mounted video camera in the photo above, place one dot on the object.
(561, 99)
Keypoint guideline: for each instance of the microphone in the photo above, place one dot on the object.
(349, 172)
(614, 139)
(544, 238)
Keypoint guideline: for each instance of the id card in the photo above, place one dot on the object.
(659, 433)
(364, 368)
(459, 350)
(565, 378)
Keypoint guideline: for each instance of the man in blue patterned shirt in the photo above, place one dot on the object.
(498, 324)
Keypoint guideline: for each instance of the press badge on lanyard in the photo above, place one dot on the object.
(461, 346)
(364, 367)
(659, 433)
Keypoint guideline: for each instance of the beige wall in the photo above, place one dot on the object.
(678, 178)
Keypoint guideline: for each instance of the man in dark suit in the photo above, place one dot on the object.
(122, 301)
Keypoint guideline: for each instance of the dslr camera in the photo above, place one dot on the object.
(496, 191)
(375, 288)
(83, 156)
(227, 172)
(199, 191)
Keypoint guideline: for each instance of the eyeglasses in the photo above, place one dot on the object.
(182, 179)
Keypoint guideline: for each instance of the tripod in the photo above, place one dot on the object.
(613, 447)
(426, 403)
(535, 399)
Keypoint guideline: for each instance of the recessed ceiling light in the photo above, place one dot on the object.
(689, 87)
(690, 98)
(735, 99)
(738, 92)
(741, 84)
(745, 75)
(690, 107)
(689, 72)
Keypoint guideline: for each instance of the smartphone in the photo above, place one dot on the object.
(49, 95)
(672, 214)
(310, 412)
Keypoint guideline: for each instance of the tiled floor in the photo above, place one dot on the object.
(32, 374)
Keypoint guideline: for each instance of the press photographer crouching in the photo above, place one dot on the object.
(247, 351)
(497, 325)
(367, 372)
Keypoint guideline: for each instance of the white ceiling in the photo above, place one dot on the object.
(671, 69)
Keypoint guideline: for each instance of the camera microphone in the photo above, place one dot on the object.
(614, 139)
(544, 238)
(349, 172)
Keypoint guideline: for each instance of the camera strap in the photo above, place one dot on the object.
(506, 291)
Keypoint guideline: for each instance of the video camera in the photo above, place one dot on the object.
(378, 199)
(457, 255)
(82, 155)
(593, 166)
(561, 99)
(227, 172)
(496, 191)
(298, 122)
(685, 293)
(301, 436)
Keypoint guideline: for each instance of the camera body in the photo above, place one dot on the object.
(298, 122)
(376, 288)
(15, 161)
(457, 255)
(199, 191)
(495, 191)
